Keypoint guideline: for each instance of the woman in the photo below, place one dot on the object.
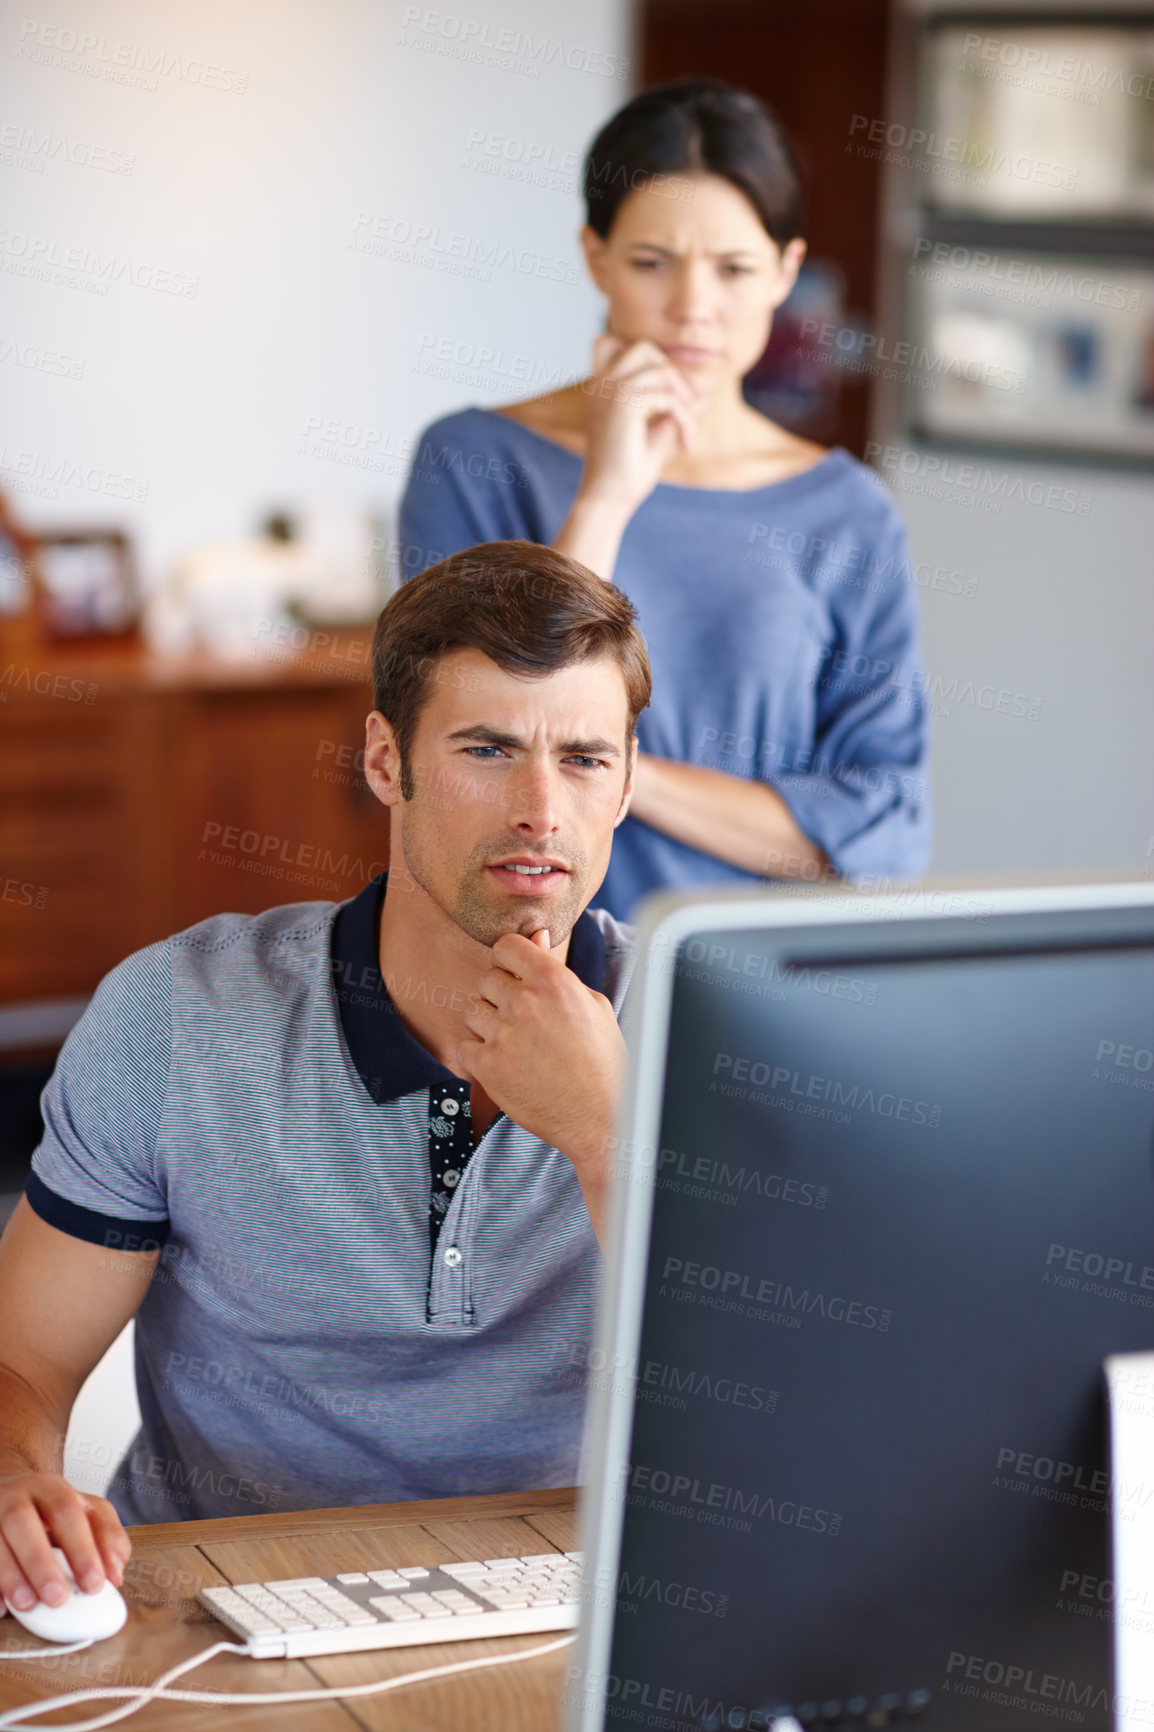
(788, 729)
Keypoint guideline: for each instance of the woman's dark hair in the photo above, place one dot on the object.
(695, 126)
(527, 607)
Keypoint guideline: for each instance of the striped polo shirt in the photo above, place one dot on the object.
(245, 1096)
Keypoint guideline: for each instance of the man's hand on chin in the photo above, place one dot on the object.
(549, 1052)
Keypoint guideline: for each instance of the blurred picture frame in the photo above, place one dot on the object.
(1029, 282)
(17, 566)
(86, 583)
(1042, 118)
(1037, 351)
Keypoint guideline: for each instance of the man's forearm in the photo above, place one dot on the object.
(31, 1434)
(592, 1158)
(596, 1195)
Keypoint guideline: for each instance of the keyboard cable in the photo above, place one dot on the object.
(159, 1691)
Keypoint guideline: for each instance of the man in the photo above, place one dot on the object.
(347, 1164)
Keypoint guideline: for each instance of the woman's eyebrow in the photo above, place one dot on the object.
(732, 253)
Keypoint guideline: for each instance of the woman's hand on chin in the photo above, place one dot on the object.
(640, 410)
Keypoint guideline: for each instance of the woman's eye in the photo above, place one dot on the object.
(646, 264)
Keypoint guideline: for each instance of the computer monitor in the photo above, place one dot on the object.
(884, 1205)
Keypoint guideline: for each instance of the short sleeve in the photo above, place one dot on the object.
(863, 794)
(461, 489)
(94, 1173)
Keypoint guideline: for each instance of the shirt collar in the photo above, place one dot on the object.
(389, 1060)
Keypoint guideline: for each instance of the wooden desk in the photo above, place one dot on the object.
(140, 793)
(171, 1561)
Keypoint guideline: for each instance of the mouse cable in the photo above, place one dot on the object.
(44, 1653)
(160, 1692)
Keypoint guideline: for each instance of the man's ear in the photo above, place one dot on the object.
(382, 760)
(627, 794)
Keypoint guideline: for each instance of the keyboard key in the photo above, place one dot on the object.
(228, 1598)
(355, 1576)
(246, 1613)
(262, 1598)
(412, 1572)
(396, 1613)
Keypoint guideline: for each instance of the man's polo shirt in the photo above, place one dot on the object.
(391, 1063)
(244, 1095)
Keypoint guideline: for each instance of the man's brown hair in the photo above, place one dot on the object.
(528, 608)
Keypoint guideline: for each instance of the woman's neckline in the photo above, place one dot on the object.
(802, 475)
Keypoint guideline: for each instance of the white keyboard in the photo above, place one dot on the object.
(401, 1608)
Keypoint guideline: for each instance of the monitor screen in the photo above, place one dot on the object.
(902, 1210)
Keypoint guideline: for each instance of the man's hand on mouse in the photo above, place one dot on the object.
(40, 1509)
(549, 1051)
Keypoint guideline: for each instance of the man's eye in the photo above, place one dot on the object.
(647, 264)
(482, 751)
(584, 762)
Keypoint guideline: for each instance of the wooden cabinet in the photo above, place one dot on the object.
(139, 795)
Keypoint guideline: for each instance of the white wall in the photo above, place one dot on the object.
(1063, 617)
(246, 182)
(105, 1418)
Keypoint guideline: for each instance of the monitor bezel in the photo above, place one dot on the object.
(667, 921)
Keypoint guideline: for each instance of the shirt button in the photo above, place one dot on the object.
(451, 1177)
(452, 1257)
(450, 1106)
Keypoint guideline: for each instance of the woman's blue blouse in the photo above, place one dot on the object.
(782, 626)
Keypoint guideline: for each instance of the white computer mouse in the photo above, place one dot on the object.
(82, 1617)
